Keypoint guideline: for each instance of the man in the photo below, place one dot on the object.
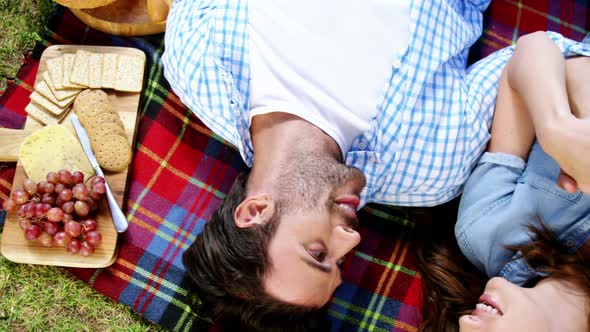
(332, 104)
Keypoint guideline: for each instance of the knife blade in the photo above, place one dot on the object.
(119, 219)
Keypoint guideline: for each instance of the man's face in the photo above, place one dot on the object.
(319, 198)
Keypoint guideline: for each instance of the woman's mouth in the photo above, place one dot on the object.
(487, 305)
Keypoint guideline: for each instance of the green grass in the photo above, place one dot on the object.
(22, 23)
(43, 298)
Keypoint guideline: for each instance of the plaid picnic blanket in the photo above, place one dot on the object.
(181, 171)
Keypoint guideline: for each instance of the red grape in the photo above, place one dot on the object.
(100, 188)
(30, 187)
(55, 214)
(40, 210)
(78, 177)
(92, 204)
(9, 205)
(86, 249)
(61, 238)
(59, 188)
(48, 199)
(30, 210)
(32, 232)
(67, 217)
(49, 188)
(65, 195)
(52, 177)
(68, 207)
(82, 209)
(93, 238)
(73, 247)
(73, 228)
(24, 223)
(20, 196)
(20, 212)
(80, 192)
(51, 228)
(41, 188)
(96, 179)
(46, 239)
(64, 176)
(89, 225)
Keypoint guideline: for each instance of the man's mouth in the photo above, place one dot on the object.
(348, 205)
(488, 306)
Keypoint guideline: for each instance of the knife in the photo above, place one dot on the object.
(119, 219)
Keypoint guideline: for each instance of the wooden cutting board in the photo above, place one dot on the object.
(13, 245)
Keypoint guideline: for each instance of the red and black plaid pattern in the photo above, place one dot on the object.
(181, 172)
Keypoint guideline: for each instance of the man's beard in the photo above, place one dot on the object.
(309, 177)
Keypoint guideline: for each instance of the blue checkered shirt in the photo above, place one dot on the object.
(431, 121)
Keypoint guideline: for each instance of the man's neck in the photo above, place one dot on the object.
(277, 137)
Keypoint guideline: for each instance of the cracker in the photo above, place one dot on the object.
(95, 70)
(113, 153)
(105, 117)
(90, 96)
(68, 63)
(46, 104)
(87, 113)
(40, 115)
(129, 73)
(59, 94)
(109, 70)
(109, 128)
(79, 74)
(43, 89)
(55, 68)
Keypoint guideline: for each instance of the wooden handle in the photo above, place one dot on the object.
(11, 141)
(158, 10)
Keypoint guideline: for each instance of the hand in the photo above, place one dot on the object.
(569, 145)
(567, 183)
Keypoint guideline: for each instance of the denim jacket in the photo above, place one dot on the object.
(504, 195)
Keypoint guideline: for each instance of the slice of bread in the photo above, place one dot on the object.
(79, 74)
(59, 94)
(37, 113)
(46, 104)
(95, 70)
(55, 68)
(129, 73)
(68, 63)
(109, 70)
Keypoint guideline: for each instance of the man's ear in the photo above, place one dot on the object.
(254, 210)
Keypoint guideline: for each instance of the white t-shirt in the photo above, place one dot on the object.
(325, 61)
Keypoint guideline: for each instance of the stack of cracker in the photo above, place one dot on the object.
(105, 129)
(69, 74)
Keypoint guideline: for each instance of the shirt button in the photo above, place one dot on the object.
(397, 64)
(570, 243)
(362, 145)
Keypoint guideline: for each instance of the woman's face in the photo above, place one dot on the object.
(506, 307)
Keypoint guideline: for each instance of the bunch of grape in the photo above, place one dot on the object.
(57, 212)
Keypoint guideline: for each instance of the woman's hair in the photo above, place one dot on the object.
(452, 285)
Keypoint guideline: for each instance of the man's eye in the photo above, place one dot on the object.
(318, 255)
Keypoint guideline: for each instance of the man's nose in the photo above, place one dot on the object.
(344, 238)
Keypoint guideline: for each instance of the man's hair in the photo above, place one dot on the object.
(227, 266)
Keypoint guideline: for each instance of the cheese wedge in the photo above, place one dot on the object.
(51, 149)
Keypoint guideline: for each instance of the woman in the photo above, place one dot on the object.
(514, 223)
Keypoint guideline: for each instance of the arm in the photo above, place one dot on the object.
(537, 73)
